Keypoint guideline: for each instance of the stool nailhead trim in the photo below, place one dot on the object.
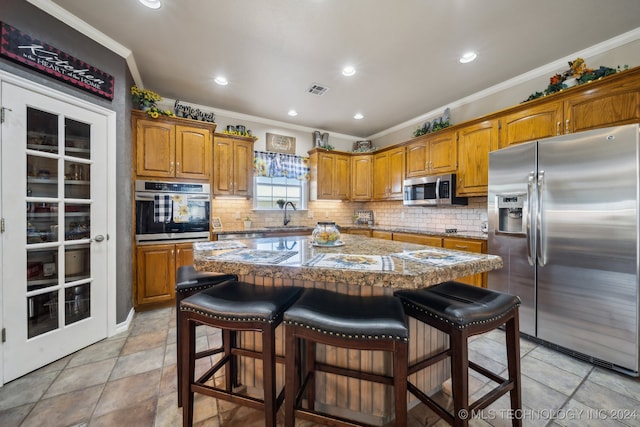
(350, 336)
(232, 318)
(459, 325)
(195, 288)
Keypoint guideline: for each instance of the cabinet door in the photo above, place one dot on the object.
(223, 166)
(601, 108)
(342, 177)
(326, 182)
(417, 158)
(396, 173)
(193, 153)
(442, 152)
(155, 278)
(380, 176)
(474, 144)
(380, 234)
(361, 178)
(541, 121)
(420, 239)
(155, 148)
(479, 279)
(184, 254)
(242, 168)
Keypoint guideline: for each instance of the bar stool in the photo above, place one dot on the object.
(347, 321)
(462, 311)
(188, 282)
(233, 306)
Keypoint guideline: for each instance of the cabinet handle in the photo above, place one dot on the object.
(558, 128)
(171, 167)
(566, 126)
(462, 247)
(177, 166)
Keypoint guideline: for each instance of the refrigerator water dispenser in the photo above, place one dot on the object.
(510, 210)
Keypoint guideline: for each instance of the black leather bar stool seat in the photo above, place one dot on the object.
(347, 321)
(462, 311)
(233, 306)
(189, 281)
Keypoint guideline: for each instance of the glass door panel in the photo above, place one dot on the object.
(54, 277)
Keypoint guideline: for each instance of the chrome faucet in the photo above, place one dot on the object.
(287, 218)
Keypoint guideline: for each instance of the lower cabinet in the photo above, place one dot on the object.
(156, 267)
(380, 234)
(468, 245)
(359, 231)
(459, 244)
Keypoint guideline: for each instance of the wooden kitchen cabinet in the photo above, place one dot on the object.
(528, 124)
(388, 166)
(474, 144)
(381, 234)
(431, 154)
(420, 239)
(358, 231)
(469, 245)
(232, 165)
(156, 268)
(171, 147)
(612, 101)
(361, 177)
(330, 175)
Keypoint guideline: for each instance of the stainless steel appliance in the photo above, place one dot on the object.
(563, 215)
(432, 191)
(172, 210)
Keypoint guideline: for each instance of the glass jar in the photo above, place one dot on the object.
(326, 234)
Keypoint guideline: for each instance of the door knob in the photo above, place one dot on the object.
(98, 238)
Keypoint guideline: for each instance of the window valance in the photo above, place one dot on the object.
(277, 165)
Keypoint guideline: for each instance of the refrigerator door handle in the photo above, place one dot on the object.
(529, 217)
(539, 237)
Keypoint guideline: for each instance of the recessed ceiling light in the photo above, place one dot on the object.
(348, 71)
(358, 116)
(151, 4)
(292, 113)
(221, 81)
(468, 57)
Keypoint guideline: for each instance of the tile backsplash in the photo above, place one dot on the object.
(386, 214)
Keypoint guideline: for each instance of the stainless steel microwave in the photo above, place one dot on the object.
(432, 191)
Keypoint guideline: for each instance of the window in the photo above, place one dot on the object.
(279, 177)
(267, 191)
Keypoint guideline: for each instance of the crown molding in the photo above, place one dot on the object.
(81, 26)
(544, 70)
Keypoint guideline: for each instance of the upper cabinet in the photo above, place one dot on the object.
(388, 166)
(612, 101)
(361, 177)
(233, 165)
(330, 175)
(170, 147)
(431, 154)
(474, 144)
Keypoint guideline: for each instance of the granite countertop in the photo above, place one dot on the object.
(289, 228)
(294, 257)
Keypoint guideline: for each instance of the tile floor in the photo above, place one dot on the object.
(130, 380)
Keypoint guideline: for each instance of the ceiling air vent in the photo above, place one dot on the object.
(317, 89)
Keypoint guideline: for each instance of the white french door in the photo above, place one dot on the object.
(54, 248)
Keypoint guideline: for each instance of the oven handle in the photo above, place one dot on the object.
(150, 196)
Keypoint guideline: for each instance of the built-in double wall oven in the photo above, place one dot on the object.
(172, 210)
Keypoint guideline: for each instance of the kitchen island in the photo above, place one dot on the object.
(358, 266)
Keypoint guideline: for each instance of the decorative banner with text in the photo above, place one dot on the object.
(22, 48)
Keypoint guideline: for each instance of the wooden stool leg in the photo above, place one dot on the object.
(188, 345)
(460, 377)
(228, 343)
(269, 374)
(513, 360)
(292, 376)
(400, 362)
(311, 367)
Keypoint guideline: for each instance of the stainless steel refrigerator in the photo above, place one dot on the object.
(563, 215)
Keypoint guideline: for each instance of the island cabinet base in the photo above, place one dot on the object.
(363, 401)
